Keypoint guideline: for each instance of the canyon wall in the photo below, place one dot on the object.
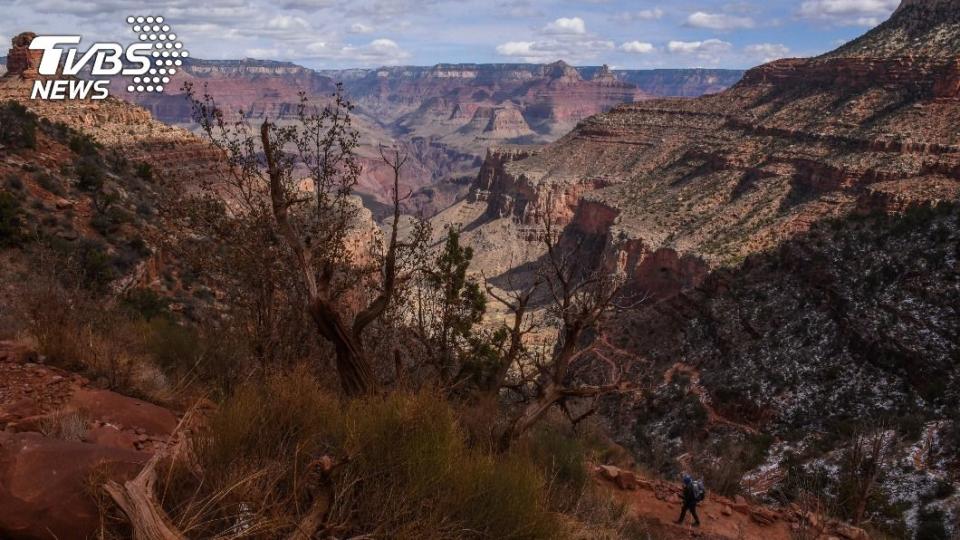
(797, 236)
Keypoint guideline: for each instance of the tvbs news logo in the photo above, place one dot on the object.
(147, 64)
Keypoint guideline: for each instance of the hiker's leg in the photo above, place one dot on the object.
(683, 513)
(693, 512)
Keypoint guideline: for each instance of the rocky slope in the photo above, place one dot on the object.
(777, 312)
(87, 182)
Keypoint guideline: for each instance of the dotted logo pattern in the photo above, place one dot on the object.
(166, 57)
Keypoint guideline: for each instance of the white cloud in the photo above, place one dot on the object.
(695, 47)
(383, 51)
(519, 8)
(708, 51)
(307, 5)
(360, 28)
(642, 15)
(550, 50)
(563, 39)
(287, 22)
(637, 47)
(378, 52)
(767, 52)
(516, 48)
(264, 53)
(564, 25)
(848, 12)
(719, 21)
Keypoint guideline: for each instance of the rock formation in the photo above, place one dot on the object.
(21, 60)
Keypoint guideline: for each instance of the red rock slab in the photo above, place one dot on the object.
(44, 483)
(123, 411)
(112, 437)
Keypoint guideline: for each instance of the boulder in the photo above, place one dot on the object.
(112, 437)
(763, 516)
(124, 411)
(21, 408)
(625, 480)
(45, 483)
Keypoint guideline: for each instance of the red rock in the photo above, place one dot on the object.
(111, 437)
(21, 408)
(849, 532)
(44, 485)
(124, 411)
(762, 516)
(21, 60)
(627, 480)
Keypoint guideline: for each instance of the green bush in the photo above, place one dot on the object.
(84, 145)
(95, 265)
(214, 357)
(11, 220)
(14, 183)
(89, 174)
(50, 183)
(146, 303)
(144, 171)
(562, 457)
(18, 126)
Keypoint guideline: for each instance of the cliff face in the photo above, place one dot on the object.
(790, 231)
(795, 142)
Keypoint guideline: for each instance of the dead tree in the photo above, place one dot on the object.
(518, 303)
(137, 498)
(864, 462)
(262, 184)
(579, 300)
(149, 521)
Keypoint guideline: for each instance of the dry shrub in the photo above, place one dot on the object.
(215, 358)
(79, 332)
(562, 456)
(482, 419)
(406, 469)
(67, 425)
(413, 476)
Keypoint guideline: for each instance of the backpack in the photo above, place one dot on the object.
(699, 492)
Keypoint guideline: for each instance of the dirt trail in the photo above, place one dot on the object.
(698, 390)
(657, 504)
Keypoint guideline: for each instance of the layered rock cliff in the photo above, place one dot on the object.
(460, 109)
(797, 236)
(797, 141)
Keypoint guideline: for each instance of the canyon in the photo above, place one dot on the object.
(445, 116)
(797, 238)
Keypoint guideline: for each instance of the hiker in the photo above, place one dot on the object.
(693, 494)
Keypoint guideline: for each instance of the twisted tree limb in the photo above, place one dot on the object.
(138, 500)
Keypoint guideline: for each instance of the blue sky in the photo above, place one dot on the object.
(365, 33)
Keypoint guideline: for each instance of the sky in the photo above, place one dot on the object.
(624, 34)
